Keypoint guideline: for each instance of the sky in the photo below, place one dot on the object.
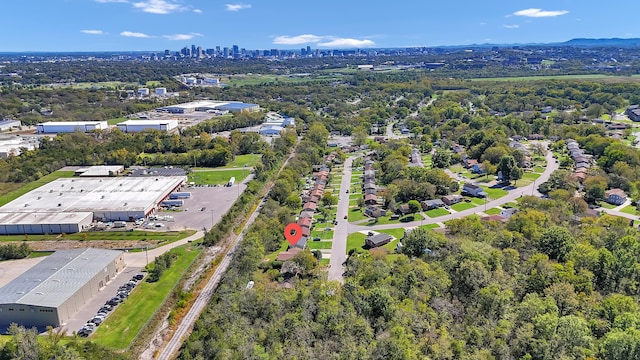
(156, 25)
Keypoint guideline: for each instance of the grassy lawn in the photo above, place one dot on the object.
(430, 226)
(353, 202)
(6, 198)
(249, 160)
(355, 196)
(493, 211)
(319, 245)
(538, 169)
(463, 206)
(324, 262)
(606, 205)
(477, 201)
(527, 178)
(436, 212)
(495, 193)
(355, 241)
(217, 177)
(322, 234)
(129, 318)
(629, 209)
(164, 237)
(356, 214)
(283, 247)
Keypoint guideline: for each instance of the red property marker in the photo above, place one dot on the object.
(293, 233)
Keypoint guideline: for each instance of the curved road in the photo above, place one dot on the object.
(343, 229)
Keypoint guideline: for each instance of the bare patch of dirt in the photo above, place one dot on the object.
(52, 245)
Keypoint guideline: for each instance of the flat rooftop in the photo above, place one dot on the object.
(149, 122)
(57, 278)
(197, 104)
(95, 194)
(72, 123)
(12, 218)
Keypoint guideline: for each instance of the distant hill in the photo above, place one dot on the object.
(615, 42)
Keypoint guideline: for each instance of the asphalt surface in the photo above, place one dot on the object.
(341, 231)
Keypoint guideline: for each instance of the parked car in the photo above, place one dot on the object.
(97, 320)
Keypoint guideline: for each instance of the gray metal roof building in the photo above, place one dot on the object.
(53, 290)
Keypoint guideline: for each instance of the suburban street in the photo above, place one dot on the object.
(343, 229)
(339, 247)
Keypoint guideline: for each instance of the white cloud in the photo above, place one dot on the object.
(540, 13)
(345, 42)
(324, 41)
(237, 7)
(93, 32)
(512, 26)
(197, 11)
(295, 40)
(158, 6)
(181, 36)
(134, 34)
(112, 1)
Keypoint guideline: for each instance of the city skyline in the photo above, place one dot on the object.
(154, 25)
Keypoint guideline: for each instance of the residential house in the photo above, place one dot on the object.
(451, 199)
(506, 213)
(473, 190)
(615, 196)
(306, 232)
(469, 162)
(306, 214)
(302, 243)
(375, 212)
(288, 255)
(535, 137)
(310, 206)
(403, 209)
(431, 204)
(305, 222)
(633, 112)
(370, 199)
(377, 240)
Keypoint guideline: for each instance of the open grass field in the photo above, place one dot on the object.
(129, 318)
(493, 211)
(249, 160)
(164, 237)
(10, 196)
(436, 212)
(355, 240)
(217, 177)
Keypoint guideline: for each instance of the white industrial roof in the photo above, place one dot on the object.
(13, 218)
(198, 104)
(100, 170)
(72, 123)
(57, 278)
(95, 194)
(149, 122)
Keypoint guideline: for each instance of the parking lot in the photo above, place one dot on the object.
(205, 207)
(88, 310)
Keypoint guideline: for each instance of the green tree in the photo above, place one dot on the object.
(506, 165)
(441, 158)
(556, 242)
(516, 174)
(414, 206)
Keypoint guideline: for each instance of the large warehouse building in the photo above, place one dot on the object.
(54, 127)
(209, 105)
(70, 204)
(56, 288)
(142, 125)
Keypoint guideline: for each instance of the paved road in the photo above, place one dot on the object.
(340, 232)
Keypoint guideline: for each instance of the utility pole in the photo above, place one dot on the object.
(146, 250)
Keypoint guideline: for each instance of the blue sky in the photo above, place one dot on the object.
(155, 25)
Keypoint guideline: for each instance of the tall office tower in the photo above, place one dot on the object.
(236, 51)
(303, 51)
(308, 50)
(193, 50)
(199, 52)
(210, 52)
(274, 52)
(167, 52)
(225, 52)
(218, 51)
